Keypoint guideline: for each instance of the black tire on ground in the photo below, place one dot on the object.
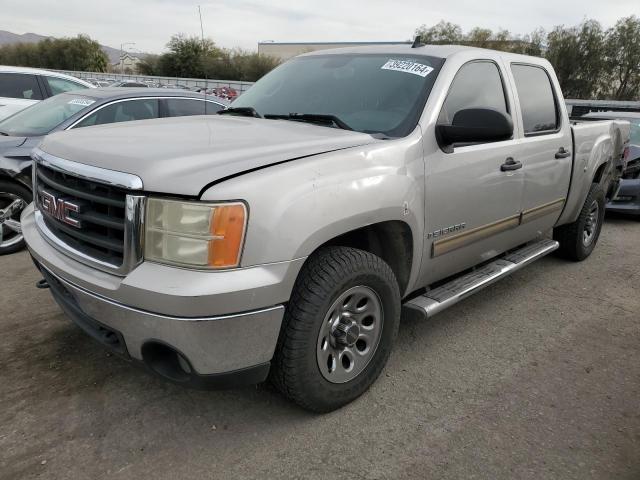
(327, 275)
(572, 236)
(22, 192)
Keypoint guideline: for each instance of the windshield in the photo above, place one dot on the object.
(370, 93)
(41, 118)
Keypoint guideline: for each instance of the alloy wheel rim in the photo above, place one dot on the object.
(591, 224)
(349, 334)
(11, 207)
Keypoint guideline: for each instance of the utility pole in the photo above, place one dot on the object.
(201, 29)
(206, 83)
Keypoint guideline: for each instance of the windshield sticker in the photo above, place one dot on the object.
(85, 102)
(408, 67)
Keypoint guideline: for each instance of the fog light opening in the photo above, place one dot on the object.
(166, 361)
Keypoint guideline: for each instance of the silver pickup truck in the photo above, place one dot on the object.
(283, 238)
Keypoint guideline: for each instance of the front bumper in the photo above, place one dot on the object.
(159, 309)
(627, 200)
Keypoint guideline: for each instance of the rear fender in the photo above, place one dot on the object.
(592, 156)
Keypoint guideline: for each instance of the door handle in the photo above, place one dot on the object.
(510, 164)
(563, 153)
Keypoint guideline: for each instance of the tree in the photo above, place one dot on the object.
(578, 57)
(187, 55)
(193, 57)
(443, 32)
(79, 53)
(149, 65)
(623, 59)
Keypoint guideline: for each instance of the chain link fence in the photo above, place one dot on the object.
(240, 87)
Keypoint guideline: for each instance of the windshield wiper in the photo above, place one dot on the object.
(4, 133)
(241, 111)
(311, 118)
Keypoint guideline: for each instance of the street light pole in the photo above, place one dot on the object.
(122, 55)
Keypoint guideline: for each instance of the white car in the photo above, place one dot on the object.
(21, 87)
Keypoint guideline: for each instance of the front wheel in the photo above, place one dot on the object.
(13, 199)
(338, 329)
(578, 239)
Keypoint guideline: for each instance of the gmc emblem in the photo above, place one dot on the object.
(59, 208)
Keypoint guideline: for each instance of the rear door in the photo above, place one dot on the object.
(545, 146)
(472, 206)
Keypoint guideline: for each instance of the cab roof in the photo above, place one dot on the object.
(438, 51)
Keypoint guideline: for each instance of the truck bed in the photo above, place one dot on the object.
(594, 142)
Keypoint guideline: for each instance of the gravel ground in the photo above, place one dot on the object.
(536, 377)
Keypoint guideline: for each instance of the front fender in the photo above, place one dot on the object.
(296, 207)
(18, 169)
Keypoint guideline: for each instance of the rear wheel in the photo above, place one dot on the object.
(338, 329)
(13, 199)
(578, 239)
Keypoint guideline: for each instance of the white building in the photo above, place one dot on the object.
(128, 63)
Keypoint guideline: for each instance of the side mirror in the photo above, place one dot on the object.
(476, 125)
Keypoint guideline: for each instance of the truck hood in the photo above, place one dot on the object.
(183, 155)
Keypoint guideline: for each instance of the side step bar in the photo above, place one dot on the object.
(452, 292)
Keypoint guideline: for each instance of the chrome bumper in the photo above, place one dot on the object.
(211, 345)
(194, 313)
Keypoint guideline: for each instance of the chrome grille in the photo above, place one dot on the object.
(100, 217)
(90, 214)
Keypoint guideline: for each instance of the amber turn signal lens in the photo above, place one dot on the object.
(227, 229)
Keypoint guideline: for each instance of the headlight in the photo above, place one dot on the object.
(194, 234)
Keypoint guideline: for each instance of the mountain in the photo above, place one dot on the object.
(8, 38)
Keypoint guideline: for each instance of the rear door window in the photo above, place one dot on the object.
(19, 85)
(537, 100)
(143, 109)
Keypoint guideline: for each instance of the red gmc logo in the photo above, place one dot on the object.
(59, 208)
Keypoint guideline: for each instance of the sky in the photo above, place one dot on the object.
(244, 23)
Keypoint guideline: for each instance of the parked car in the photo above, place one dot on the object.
(627, 200)
(262, 242)
(129, 84)
(227, 93)
(20, 133)
(21, 87)
(176, 86)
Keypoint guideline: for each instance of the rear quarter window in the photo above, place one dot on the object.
(537, 100)
(61, 85)
(177, 107)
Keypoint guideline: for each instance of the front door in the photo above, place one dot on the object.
(473, 204)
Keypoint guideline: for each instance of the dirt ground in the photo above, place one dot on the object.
(536, 377)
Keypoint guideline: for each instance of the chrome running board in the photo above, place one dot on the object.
(461, 287)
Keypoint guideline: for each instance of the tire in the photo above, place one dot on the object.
(10, 192)
(574, 243)
(333, 284)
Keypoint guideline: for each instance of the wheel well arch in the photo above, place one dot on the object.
(390, 240)
(597, 177)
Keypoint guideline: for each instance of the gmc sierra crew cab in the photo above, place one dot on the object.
(283, 238)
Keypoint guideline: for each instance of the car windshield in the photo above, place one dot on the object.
(370, 93)
(41, 118)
